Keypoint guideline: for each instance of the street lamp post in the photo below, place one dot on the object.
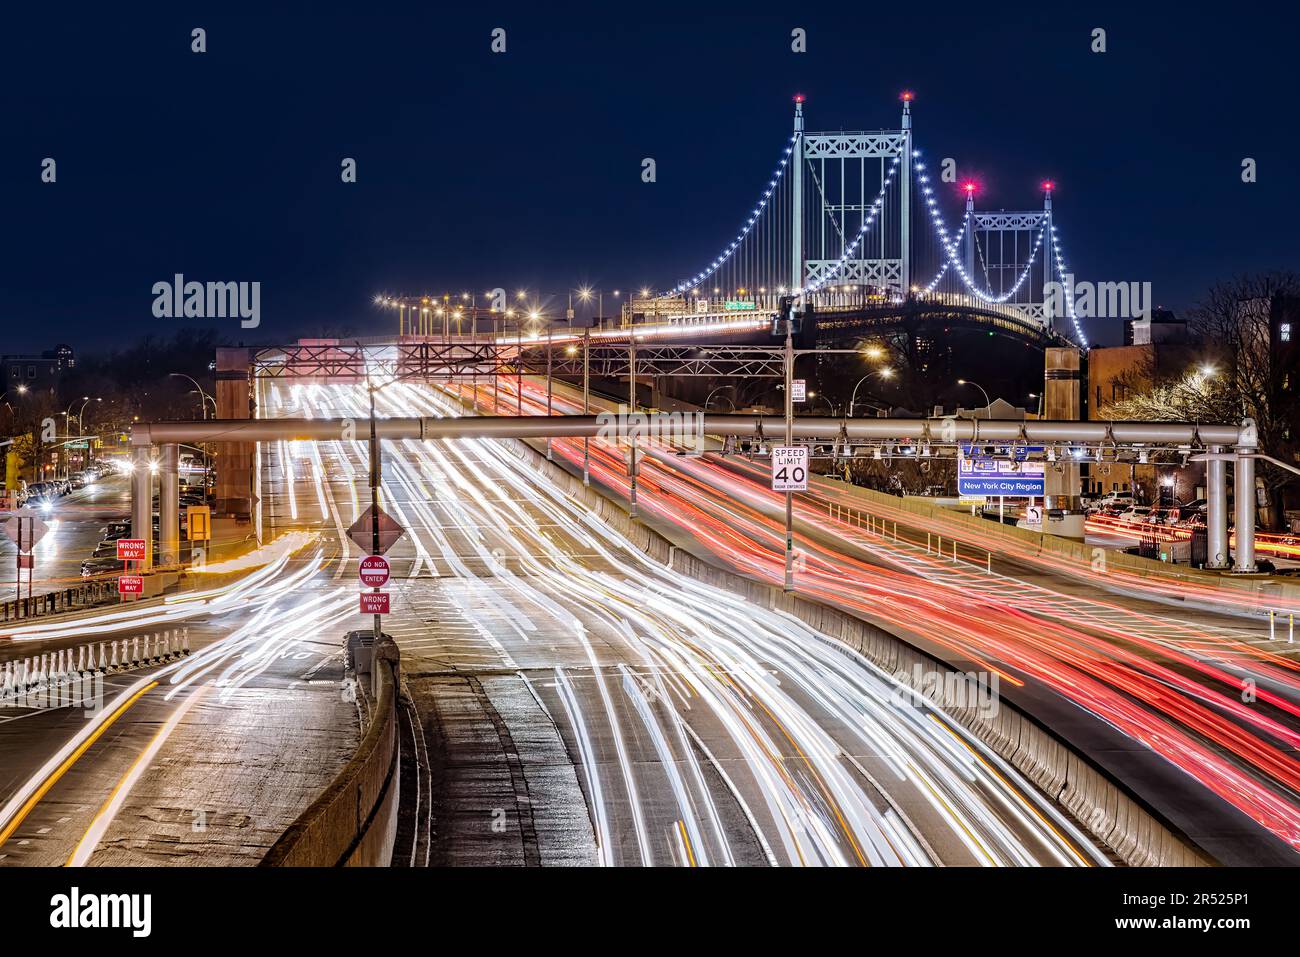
(885, 373)
(988, 403)
(710, 396)
(789, 439)
(586, 404)
(204, 398)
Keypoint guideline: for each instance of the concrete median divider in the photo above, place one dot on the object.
(354, 821)
(1118, 822)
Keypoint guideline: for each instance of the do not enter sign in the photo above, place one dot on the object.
(373, 571)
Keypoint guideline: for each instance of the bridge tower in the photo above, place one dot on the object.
(905, 200)
(968, 237)
(1049, 253)
(796, 182)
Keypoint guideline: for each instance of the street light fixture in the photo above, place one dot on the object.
(885, 373)
(988, 403)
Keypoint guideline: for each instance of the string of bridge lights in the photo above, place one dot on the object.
(852, 248)
(745, 230)
(950, 246)
(1069, 293)
(936, 220)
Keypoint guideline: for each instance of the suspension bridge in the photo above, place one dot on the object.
(849, 224)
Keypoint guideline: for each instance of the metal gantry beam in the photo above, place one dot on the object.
(434, 360)
(948, 432)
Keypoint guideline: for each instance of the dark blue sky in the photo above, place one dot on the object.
(478, 170)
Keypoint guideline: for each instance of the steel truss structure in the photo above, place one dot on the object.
(435, 360)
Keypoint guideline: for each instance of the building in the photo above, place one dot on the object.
(1156, 349)
(37, 372)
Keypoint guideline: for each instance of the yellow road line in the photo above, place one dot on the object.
(686, 842)
(72, 759)
(146, 756)
(1027, 805)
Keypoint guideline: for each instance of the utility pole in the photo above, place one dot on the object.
(789, 440)
(375, 478)
(631, 408)
(549, 457)
(586, 405)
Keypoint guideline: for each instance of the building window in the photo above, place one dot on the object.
(1284, 331)
(31, 372)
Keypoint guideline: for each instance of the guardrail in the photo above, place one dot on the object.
(60, 601)
(354, 822)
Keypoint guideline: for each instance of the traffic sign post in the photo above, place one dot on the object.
(799, 391)
(374, 603)
(375, 532)
(25, 529)
(1034, 516)
(132, 552)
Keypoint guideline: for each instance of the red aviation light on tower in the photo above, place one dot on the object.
(969, 187)
(798, 97)
(1048, 186)
(907, 96)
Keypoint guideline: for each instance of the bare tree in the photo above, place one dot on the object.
(1233, 325)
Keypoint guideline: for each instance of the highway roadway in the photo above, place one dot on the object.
(1177, 690)
(580, 703)
(200, 760)
(75, 522)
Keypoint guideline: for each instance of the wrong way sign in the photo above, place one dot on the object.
(790, 469)
(374, 603)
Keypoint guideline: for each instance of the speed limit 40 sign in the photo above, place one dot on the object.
(790, 469)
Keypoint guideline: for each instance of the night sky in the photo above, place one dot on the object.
(523, 170)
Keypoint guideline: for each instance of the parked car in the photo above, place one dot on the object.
(1162, 516)
(1135, 513)
(104, 565)
(1114, 501)
(42, 494)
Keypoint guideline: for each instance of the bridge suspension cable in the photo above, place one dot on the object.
(729, 251)
(950, 249)
(1066, 285)
(851, 249)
